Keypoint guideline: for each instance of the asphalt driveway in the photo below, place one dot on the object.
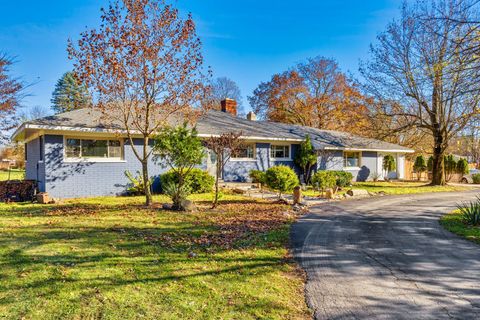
(388, 258)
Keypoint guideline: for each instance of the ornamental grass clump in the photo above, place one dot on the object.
(470, 212)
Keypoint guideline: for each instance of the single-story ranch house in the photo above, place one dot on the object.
(73, 154)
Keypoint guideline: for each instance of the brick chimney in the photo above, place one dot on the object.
(251, 116)
(230, 106)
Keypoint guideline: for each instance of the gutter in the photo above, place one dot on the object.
(118, 131)
(202, 135)
(371, 149)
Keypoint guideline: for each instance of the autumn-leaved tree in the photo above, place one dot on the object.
(422, 78)
(10, 95)
(316, 94)
(144, 66)
(224, 147)
(69, 94)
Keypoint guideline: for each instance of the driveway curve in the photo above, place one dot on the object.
(388, 258)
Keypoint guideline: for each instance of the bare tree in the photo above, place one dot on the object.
(421, 78)
(10, 96)
(225, 88)
(224, 146)
(144, 64)
(35, 112)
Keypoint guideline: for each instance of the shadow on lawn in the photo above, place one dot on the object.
(125, 251)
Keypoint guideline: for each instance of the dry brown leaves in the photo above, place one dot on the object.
(228, 224)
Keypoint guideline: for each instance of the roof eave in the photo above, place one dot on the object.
(370, 149)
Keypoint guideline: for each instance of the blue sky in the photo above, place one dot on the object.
(246, 40)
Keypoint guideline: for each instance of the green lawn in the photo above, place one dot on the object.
(397, 187)
(112, 258)
(15, 174)
(453, 223)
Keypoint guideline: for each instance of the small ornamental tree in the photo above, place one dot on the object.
(420, 166)
(462, 166)
(388, 164)
(181, 150)
(281, 178)
(69, 94)
(450, 166)
(224, 146)
(306, 158)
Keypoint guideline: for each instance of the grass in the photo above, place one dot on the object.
(400, 187)
(453, 223)
(15, 174)
(397, 187)
(112, 258)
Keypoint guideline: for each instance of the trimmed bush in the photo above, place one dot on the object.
(462, 166)
(324, 179)
(281, 178)
(344, 178)
(197, 180)
(476, 178)
(258, 176)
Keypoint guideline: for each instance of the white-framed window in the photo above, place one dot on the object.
(279, 151)
(247, 152)
(96, 149)
(352, 159)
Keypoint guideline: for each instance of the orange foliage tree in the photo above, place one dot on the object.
(316, 94)
(144, 68)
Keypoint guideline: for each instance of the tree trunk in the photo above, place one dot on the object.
(217, 178)
(146, 178)
(438, 167)
(146, 183)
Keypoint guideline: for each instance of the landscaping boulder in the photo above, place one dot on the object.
(188, 205)
(329, 193)
(167, 206)
(358, 193)
(239, 191)
(43, 198)
(297, 195)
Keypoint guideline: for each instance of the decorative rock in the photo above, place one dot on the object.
(297, 195)
(329, 194)
(166, 206)
(239, 191)
(43, 198)
(358, 193)
(188, 205)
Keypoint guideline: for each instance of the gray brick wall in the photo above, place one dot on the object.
(34, 167)
(238, 171)
(333, 160)
(86, 179)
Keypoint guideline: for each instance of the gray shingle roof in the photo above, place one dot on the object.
(217, 122)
